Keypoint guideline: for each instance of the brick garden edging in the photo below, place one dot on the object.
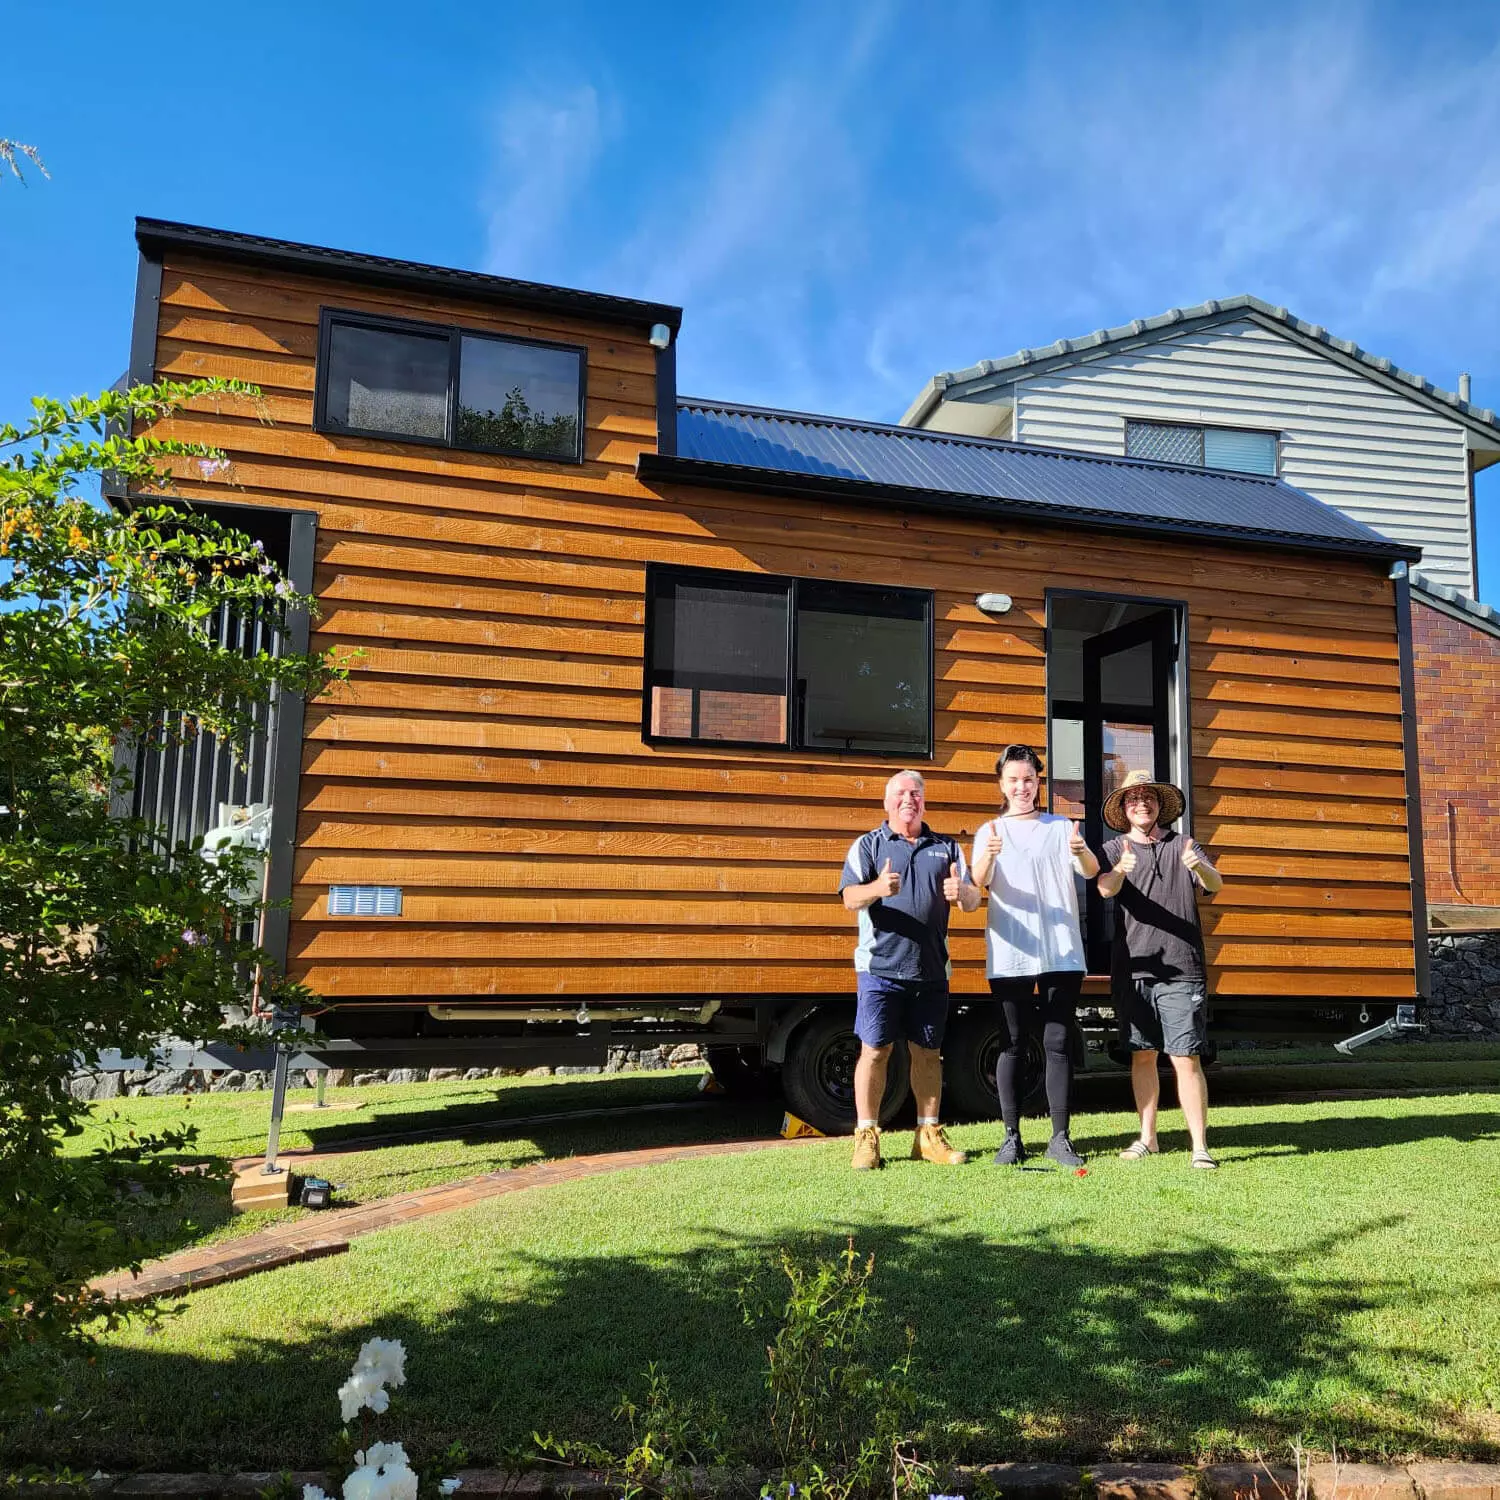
(329, 1233)
(1018, 1481)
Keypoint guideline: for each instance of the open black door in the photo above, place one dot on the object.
(1126, 718)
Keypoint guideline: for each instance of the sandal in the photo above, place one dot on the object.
(1204, 1160)
(1139, 1151)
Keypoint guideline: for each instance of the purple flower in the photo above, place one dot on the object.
(192, 939)
(283, 588)
(257, 546)
(211, 468)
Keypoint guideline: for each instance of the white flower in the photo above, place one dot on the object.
(400, 1483)
(447, 1486)
(312, 1492)
(385, 1358)
(382, 1454)
(364, 1484)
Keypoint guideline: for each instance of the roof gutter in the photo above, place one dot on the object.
(928, 399)
(657, 468)
(154, 236)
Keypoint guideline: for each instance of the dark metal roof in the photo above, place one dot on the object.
(746, 447)
(156, 235)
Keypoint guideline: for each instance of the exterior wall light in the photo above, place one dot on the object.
(994, 604)
(660, 336)
(1398, 571)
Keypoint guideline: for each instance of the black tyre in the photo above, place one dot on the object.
(971, 1051)
(817, 1077)
(742, 1072)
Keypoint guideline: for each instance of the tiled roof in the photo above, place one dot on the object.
(1180, 320)
(756, 448)
(1483, 615)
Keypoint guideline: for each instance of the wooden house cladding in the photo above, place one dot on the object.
(487, 755)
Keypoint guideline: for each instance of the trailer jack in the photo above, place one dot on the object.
(1402, 1023)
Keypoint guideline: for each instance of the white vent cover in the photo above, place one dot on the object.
(364, 901)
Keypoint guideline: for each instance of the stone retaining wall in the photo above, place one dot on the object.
(1465, 987)
(179, 1081)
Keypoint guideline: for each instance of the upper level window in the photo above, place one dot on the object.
(452, 386)
(1238, 449)
(743, 659)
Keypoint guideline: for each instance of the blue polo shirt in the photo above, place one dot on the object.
(904, 936)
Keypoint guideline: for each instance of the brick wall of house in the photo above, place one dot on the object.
(1458, 737)
(754, 718)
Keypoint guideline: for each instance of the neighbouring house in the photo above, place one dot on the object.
(1241, 386)
(1456, 645)
(634, 669)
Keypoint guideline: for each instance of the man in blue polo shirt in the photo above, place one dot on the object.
(901, 878)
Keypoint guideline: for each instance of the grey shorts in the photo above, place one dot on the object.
(1164, 1016)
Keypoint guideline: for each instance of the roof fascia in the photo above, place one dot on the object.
(155, 236)
(670, 469)
(962, 384)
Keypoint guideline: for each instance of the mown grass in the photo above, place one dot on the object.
(1335, 1281)
(459, 1125)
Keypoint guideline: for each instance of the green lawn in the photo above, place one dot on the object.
(1336, 1280)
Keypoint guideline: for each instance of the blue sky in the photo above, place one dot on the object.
(844, 198)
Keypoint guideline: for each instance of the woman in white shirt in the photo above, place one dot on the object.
(1028, 859)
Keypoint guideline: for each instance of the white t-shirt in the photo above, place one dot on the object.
(1033, 915)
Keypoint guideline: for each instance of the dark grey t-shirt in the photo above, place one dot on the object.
(1157, 932)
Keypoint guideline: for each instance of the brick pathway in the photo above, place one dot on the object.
(330, 1232)
(1019, 1481)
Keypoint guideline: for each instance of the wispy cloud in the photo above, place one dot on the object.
(767, 229)
(543, 148)
(1329, 163)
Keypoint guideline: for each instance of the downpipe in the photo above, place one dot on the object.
(1403, 1023)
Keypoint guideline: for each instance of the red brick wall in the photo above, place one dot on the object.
(1458, 738)
(758, 718)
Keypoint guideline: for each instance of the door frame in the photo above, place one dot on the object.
(1178, 718)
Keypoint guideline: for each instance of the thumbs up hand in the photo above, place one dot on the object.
(1126, 862)
(1076, 844)
(952, 886)
(994, 840)
(887, 883)
(1192, 855)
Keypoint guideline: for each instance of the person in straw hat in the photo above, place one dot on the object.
(1158, 976)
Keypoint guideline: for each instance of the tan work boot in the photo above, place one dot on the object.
(931, 1144)
(867, 1149)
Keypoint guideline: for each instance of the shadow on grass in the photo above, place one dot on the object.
(553, 1135)
(1040, 1347)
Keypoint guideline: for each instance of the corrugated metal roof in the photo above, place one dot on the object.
(1014, 475)
(158, 234)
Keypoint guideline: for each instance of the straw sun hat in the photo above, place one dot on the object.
(1168, 800)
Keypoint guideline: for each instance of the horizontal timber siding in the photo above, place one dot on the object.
(486, 754)
(1375, 454)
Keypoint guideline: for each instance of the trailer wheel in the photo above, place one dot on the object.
(817, 1077)
(971, 1051)
(742, 1072)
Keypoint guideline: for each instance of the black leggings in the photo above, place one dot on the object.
(1052, 1001)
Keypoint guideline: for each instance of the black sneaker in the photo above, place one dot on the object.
(1012, 1153)
(1060, 1149)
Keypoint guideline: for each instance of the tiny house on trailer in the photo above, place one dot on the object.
(634, 669)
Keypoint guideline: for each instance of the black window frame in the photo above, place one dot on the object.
(456, 333)
(1204, 428)
(656, 573)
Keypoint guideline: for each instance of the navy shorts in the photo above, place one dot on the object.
(1168, 1016)
(892, 1010)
